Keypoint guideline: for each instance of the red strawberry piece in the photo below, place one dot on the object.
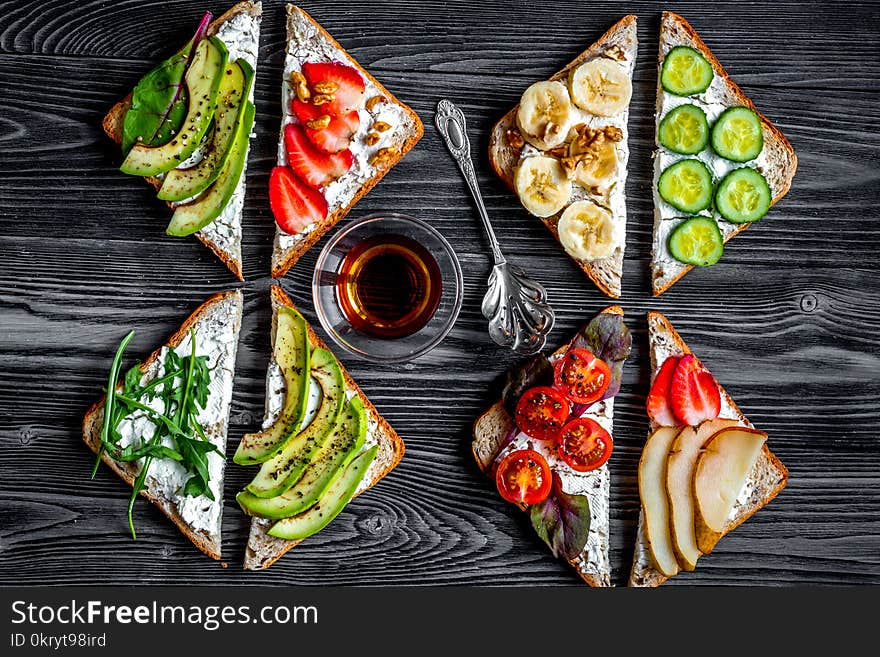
(338, 133)
(349, 93)
(294, 204)
(312, 166)
(694, 395)
(659, 409)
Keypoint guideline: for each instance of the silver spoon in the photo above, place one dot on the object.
(515, 305)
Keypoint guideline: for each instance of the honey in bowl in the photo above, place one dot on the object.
(388, 286)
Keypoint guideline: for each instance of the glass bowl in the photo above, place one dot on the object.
(381, 349)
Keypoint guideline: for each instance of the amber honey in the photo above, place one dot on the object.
(388, 286)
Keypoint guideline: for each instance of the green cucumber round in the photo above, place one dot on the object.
(743, 196)
(684, 130)
(686, 186)
(696, 241)
(685, 72)
(737, 135)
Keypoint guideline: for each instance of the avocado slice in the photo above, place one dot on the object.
(235, 88)
(205, 208)
(285, 468)
(291, 354)
(332, 503)
(331, 460)
(202, 84)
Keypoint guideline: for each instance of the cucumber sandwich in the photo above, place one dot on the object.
(719, 163)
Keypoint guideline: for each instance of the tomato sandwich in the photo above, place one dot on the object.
(547, 442)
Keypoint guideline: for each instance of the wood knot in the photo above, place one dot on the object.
(25, 435)
(809, 303)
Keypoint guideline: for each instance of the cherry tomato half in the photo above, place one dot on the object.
(584, 444)
(541, 412)
(581, 376)
(523, 477)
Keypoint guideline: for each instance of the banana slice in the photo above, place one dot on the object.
(600, 86)
(587, 231)
(597, 166)
(542, 185)
(544, 114)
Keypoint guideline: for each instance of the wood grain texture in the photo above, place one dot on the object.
(788, 320)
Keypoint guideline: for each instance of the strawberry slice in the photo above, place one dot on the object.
(694, 395)
(659, 409)
(338, 133)
(349, 92)
(312, 166)
(294, 204)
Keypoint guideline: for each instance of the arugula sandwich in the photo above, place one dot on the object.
(162, 424)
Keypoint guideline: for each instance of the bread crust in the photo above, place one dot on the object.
(128, 472)
(652, 577)
(605, 273)
(773, 137)
(253, 559)
(284, 259)
(114, 119)
(494, 424)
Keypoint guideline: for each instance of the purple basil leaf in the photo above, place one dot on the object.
(159, 101)
(609, 339)
(562, 521)
(537, 371)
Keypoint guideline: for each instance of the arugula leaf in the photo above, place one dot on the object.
(562, 521)
(609, 339)
(159, 101)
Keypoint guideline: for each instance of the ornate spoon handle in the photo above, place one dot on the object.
(451, 124)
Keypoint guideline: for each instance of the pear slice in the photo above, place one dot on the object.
(652, 491)
(723, 466)
(679, 487)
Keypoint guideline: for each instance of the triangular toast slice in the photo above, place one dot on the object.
(216, 324)
(494, 425)
(388, 129)
(767, 478)
(506, 149)
(262, 549)
(239, 29)
(777, 160)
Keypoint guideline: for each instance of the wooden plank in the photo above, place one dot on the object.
(787, 322)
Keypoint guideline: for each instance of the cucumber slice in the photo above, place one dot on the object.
(696, 241)
(685, 72)
(684, 130)
(743, 196)
(737, 135)
(686, 186)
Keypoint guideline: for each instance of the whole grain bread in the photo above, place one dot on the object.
(607, 272)
(284, 256)
(262, 549)
(767, 478)
(221, 308)
(488, 432)
(228, 250)
(676, 31)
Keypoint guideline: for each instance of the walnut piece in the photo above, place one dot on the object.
(384, 157)
(616, 52)
(300, 86)
(515, 139)
(372, 102)
(322, 99)
(326, 87)
(381, 126)
(372, 139)
(319, 123)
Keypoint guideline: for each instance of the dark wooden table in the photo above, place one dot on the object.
(788, 321)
